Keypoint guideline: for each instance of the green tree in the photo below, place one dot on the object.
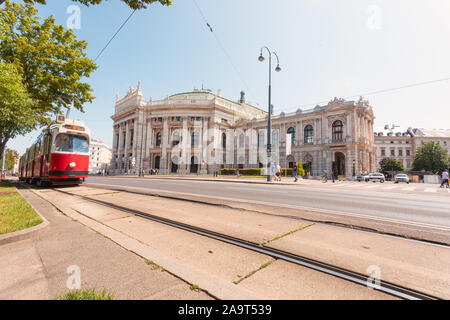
(16, 106)
(388, 165)
(10, 158)
(51, 63)
(133, 4)
(431, 157)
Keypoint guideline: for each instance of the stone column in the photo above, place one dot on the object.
(135, 142)
(165, 145)
(204, 157)
(148, 144)
(299, 132)
(125, 151)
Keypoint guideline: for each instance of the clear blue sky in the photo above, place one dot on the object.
(327, 48)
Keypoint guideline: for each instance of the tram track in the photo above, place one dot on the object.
(355, 277)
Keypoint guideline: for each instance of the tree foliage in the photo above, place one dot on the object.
(133, 4)
(388, 165)
(10, 158)
(51, 63)
(431, 157)
(16, 105)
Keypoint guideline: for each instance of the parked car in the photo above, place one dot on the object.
(374, 177)
(363, 177)
(401, 177)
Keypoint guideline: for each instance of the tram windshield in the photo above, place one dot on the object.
(71, 143)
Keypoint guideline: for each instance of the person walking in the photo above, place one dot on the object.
(445, 179)
(273, 168)
(278, 172)
(295, 172)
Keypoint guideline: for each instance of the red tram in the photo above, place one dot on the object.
(60, 155)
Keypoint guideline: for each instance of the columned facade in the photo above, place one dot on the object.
(201, 132)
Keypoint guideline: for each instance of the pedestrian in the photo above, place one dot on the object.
(445, 179)
(278, 172)
(237, 173)
(295, 172)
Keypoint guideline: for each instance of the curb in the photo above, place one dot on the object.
(26, 233)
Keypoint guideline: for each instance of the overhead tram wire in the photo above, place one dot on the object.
(221, 46)
(115, 34)
(417, 84)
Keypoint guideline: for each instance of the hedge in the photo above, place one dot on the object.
(250, 172)
(228, 172)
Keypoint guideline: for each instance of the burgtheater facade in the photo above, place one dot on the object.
(201, 132)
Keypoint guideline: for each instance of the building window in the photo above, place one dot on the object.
(158, 139)
(176, 138)
(176, 119)
(131, 138)
(224, 140)
(224, 121)
(241, 141)
(309, 134)
(392, 152)
(275, 137)
(383, 152)
(337, 130)
(261, 139)
(195, 119)
(408, 152)
(291, 131)
(195, 139)
(400, 153)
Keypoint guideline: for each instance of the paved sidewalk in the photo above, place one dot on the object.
(37, 268)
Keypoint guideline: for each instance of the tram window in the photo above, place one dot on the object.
(71, 143)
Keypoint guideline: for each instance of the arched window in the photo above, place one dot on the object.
(176, 138)
(224, 140)
(309, 134)
(338, 129)
(261, 139)
(158, 139)
(242, 141)
(275, 137)
(195, 139)
(291, 131)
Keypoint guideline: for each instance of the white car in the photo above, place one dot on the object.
(401, 177)
(374, 177)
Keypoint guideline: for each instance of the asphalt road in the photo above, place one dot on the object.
(419, 207)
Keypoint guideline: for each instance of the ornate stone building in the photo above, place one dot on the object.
(201, 132)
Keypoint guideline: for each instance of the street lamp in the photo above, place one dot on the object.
(269, 123)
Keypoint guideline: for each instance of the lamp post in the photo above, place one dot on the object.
(269, 120)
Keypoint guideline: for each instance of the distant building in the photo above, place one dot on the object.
(401, 143)
(202, 132)
(100, 156)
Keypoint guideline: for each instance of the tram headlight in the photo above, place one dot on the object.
(72, 165)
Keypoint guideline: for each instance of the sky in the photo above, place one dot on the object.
(327, 49)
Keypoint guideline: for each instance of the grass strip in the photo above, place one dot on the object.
(265, 265)
(87, 294)
(284, 235)
(15, 212)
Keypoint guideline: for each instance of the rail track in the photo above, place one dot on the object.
(361, 279)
